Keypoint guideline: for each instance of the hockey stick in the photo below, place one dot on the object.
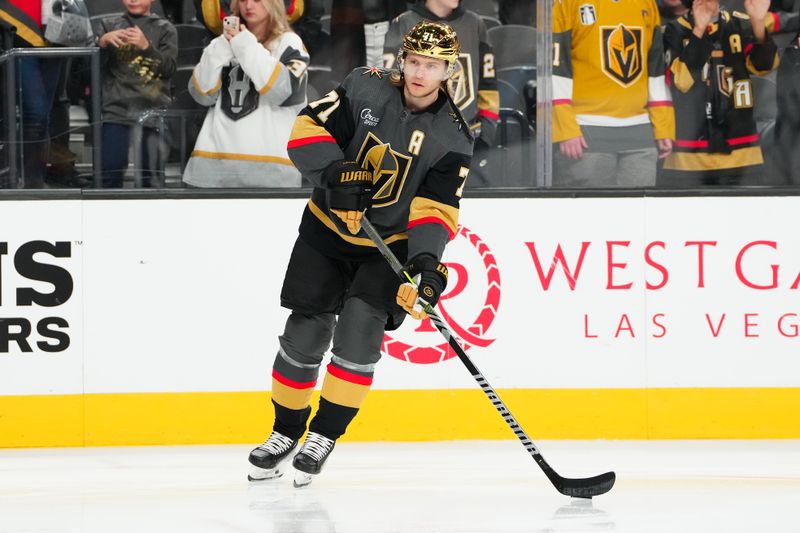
(577, 488)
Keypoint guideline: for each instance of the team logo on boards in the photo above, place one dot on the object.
(412, 347)
(621, 51)
(459, 85)
(389, 169)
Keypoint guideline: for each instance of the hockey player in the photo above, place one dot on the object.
(711, 54)
(473, 84)
(392, 144)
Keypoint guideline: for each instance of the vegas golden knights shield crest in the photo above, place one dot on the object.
(389, 169)
(622, 54)
(460, 83)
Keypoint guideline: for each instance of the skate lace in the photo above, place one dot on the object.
(277, 443)
(316, 446)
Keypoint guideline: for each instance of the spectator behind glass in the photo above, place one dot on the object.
(787, 125)
(671, 10)
(472, 85)
(358, 30)
(139, 56)
(253, 77)
(711, 54)
(782, 20)
(38, 78)
(517, 12)
(612, 114)
(303, 16)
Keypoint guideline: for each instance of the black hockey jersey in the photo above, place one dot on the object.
(711, 91)
(419, 162)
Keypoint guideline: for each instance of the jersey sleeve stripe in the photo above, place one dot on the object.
(703, 161)
(562, 88)
(562, 101)
(424, 210)
(489, 102)
(772, 21)
(307, 131)
(660, 103)
(200, 91)
(359, 241)
(432, 220)
(681, 75)
(735, 141)
(272, 79)
(488, 114)
(657, 90)
(243, 157)
(295, 143)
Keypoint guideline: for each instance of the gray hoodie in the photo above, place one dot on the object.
(134, 80)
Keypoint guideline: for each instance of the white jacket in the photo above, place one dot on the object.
(256, 92)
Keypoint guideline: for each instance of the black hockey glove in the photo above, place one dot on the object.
(349, 192)
(430, 277)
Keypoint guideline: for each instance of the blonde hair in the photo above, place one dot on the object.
(277, 22)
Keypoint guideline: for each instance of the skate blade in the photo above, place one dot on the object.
(301, 479)
(263, 474)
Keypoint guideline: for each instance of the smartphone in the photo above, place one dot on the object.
(231, 21)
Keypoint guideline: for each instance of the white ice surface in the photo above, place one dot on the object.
(464, 487)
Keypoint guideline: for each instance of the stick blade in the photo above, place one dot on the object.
(586, 487)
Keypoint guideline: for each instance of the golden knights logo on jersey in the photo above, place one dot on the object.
(725, 79)
(389, 169)
(239, 95)
(622, 55)
(460, 84)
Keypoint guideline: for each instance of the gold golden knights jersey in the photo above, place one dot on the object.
(713, 95)
(608, 67)
(419, 163)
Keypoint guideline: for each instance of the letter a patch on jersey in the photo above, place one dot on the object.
(588, 16)
(622, 54)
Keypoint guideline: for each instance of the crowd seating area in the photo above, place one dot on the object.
(511, 162)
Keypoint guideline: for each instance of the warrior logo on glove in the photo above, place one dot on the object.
(358, 175)
(349, 192)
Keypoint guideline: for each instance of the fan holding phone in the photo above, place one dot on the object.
(253, 79)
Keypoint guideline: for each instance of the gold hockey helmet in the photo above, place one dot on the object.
(432, 39)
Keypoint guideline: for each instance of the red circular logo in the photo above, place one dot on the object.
(467, 337)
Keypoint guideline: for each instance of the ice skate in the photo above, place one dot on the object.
(310, 459)
(268, 460)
